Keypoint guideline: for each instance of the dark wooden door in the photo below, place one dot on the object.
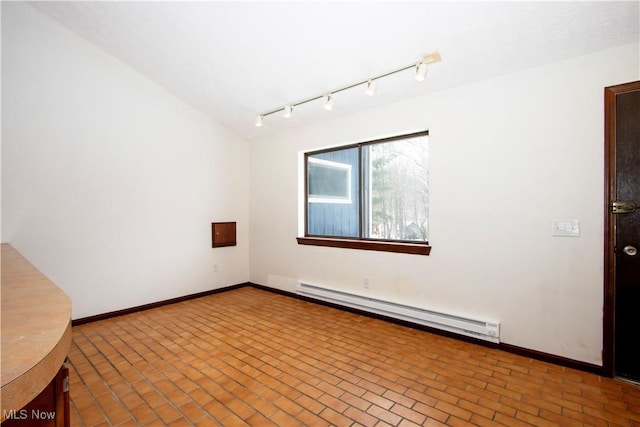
(623, 105)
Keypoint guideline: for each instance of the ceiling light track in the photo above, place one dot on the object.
(420, 74)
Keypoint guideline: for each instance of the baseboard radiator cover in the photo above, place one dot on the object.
(484, 330)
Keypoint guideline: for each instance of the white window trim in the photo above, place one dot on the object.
(335, 165)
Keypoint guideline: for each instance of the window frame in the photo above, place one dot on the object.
(363, 243)
(326, 198)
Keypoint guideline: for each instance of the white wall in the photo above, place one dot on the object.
(507, 156)
(109, 182)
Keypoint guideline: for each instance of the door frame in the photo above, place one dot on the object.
(610, 191)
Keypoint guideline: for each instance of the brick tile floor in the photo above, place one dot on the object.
(251, 357)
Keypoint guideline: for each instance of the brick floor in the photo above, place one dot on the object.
(251, 357)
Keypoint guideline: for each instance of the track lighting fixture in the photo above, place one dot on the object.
(422, 66)
(420, 74)
(328, 102)
(371, 87)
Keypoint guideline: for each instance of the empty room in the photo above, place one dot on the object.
(320, 213)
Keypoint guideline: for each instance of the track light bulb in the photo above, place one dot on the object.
(328, 102)
(371, 87)
(287, 111)
(421, 71)
(259, 121)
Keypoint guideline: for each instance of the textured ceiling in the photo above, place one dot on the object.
(233, 60)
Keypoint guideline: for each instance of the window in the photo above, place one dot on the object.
(372, 195)
(329, 182)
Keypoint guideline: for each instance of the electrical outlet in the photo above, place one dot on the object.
(365, 282)
(215, 268)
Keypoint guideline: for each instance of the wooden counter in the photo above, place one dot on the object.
(36, 331)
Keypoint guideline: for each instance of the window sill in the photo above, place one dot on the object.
(369, 245)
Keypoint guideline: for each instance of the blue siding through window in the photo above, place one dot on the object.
(337, 219)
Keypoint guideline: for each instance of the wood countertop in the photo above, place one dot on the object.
(36, 330)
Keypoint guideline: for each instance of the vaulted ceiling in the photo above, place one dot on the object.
(234, 60)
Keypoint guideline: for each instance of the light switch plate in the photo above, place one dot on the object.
(565, 227)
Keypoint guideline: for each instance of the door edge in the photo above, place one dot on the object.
(610, 191)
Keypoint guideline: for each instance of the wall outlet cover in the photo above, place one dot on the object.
(565, 228)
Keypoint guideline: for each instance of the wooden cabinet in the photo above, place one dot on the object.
(223, 234)
(48, 409)
(36, 336)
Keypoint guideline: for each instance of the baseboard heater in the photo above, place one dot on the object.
(484, 330)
